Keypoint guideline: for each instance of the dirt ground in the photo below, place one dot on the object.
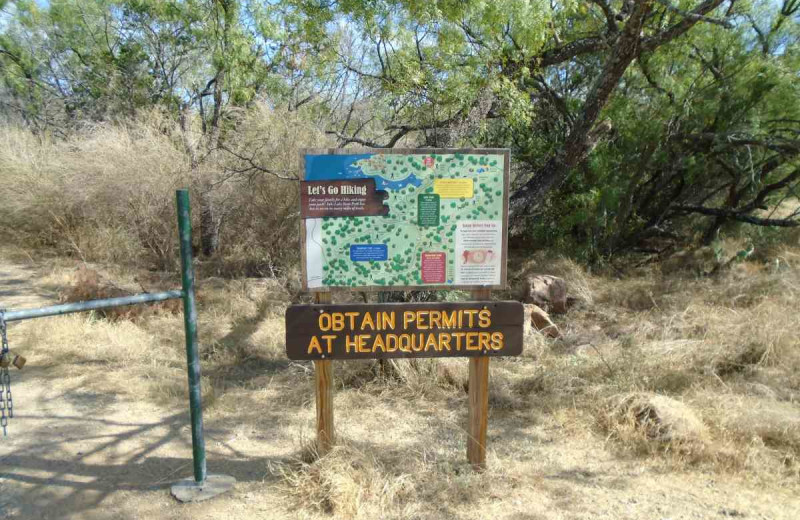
(77, 450)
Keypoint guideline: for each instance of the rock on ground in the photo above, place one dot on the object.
(660, 417)
(541, 321)
(548, 292)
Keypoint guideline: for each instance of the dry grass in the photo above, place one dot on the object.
(654, 424)
(241, 321)
(106, 194)
(663, 371)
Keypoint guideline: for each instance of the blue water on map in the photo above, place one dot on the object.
(340, 167)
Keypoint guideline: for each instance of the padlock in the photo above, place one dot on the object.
(18, 361)
(5, 360)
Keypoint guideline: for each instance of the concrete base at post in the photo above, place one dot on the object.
(190, 491)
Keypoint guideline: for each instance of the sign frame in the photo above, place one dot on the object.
(502, 285)
(344, 332)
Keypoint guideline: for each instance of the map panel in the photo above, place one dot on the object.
(445, 227)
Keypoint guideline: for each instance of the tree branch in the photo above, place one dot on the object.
(695, 16)
(254, 166)
(345, 139)
(680, 28)
(569, 51)
(609, 14)
(735, 215)
(582, 138)
(762, 195)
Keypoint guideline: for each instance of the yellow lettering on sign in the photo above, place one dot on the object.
(449, 321)
(329, 342)
(431, 342)
(485, 318)
(352, 316)
(404, 342)
(362, 343)
(366, 321)
(314, 345)
(337, 321)
(435, 318)
(497, 340)
(421, 325)
(483, 340)
(471, 313)
(324, 322)
(408, 318)
(391, 343)
(429, 334)
(387, 321)
(472, 343)
(348, 344)
(453, 188)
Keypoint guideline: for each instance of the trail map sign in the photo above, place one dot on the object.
(404, 330)
(400, 220)
(404, 219)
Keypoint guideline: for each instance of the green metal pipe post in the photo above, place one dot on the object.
(190, 324)
(67, 308)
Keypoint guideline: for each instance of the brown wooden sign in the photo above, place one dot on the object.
(404, 330)
(346, 198)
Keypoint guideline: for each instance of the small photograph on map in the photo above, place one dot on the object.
(477, 256)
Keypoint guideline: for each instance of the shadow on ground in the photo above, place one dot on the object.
(93, 458)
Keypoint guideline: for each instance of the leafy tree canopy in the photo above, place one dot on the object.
(630, 121)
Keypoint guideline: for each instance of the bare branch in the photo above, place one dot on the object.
(695, 16)
(680, 28)
(735, 215)
(769, 188)
(345, 140)
(787, 146)
(252, 165)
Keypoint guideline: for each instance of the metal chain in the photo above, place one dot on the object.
(9, 400)
(6, 402)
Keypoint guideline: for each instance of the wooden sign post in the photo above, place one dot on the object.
(323, 376)
(404, 219)
(478, 401)
(477, 329)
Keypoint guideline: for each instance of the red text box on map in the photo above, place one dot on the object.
(434, 265)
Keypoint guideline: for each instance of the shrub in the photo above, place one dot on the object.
(106, 192)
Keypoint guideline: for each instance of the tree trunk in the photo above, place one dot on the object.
(584, 136)
(209, 224)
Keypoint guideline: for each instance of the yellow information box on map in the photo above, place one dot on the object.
(453, 188)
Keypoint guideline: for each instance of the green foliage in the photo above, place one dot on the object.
(677, 123)
(697, 122)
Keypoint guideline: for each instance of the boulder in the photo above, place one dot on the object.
(548, 292)
(659, 417)
(541, 321)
